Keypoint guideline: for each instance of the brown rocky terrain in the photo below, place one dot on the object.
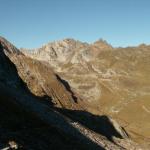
(39, 109)
(112, 81)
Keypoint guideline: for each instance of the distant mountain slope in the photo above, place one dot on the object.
(36, 105)
(113, 80)
(39, 78)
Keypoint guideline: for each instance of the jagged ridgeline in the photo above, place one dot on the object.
(115, 81)
(43, 107)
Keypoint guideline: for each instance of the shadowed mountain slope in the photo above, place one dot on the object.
(114, 81)
(37, 106)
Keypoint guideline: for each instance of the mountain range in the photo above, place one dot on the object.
(74, 95)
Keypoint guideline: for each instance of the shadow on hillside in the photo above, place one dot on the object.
(16, 117)
(68, 88)
(98, 124)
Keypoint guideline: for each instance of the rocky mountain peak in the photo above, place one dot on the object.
(102, 44)
(7, 46)
(98, 88)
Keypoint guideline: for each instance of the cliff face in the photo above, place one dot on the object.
(113, 80)
(40, 78)
(38, 106)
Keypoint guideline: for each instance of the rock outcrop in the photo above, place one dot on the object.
(111, 80)
(37, 106)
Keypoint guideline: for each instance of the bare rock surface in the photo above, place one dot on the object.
(111, 80)
(38, 106)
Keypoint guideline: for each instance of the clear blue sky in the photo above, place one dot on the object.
(31, 23)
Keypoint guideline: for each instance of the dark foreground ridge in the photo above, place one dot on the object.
(49, 120)
(20, 123)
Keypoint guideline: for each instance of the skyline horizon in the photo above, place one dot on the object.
(59, 40)
(31, 23)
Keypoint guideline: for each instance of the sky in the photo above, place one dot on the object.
(32, 23)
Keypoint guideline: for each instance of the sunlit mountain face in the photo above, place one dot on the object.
(74, 95)
(111, 80)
